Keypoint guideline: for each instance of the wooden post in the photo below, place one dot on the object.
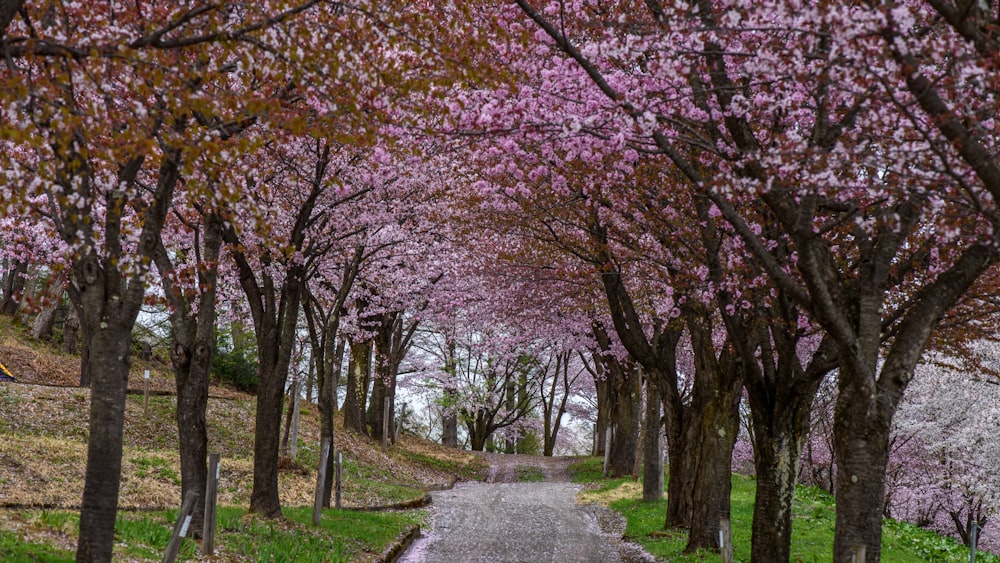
(211, 498)
(320, 479)
(858, 554)
(294, 448)
(725, 540)
(385, 422)
(399, 424)
(338, 473)
(180, 527)
(973, 529)
(607, 450)
(145, 394)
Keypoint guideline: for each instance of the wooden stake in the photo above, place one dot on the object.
(607, 449)
(725, 540)
(145, 394)
(211, 498)
(385, 423)
(180, 527)
(339, 469)
(320, 479)
(399, 424)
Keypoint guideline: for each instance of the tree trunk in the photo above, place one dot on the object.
(384, 380)
(449, 420)
(275, 345)
(357, 375)
(311, 379)
(328, 408)
(603, 414)
(85, 370)
(623, 386)
(678, 489)
(71, 331)
(8, 9)
(13, 287)
(861, 444)
(780, 414)
(776, 463)
(652, 452)
(193, 338)
(29, 294)
(510, 399)
(626, 402)
(110, 359)
(449, 429)
(274, 363)
(286, 433)
(477, 427)
(192, 372)
(713, 422)
(44, 322)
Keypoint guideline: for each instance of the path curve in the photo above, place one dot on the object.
(529, 522)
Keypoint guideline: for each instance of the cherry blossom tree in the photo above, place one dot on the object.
(942, 468)
(820, 135)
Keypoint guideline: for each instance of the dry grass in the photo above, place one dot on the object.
(43, 432)
(627, 490)
(44, 420)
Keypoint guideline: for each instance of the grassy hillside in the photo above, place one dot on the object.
(812, 524)
(43, 433)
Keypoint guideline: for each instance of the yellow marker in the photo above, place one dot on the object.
(7, 372)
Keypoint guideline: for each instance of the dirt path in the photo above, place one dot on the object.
(511, 521)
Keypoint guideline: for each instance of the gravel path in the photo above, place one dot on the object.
(504, 520)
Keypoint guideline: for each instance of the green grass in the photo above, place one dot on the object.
(371, 531)
(374, 482)
(813, 518)
(14, 550)
(591, 472)
(146, 535)
(529, 474)
(156, 467)
(476, 471)
(342, 535)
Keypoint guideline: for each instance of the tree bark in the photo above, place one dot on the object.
(449, 430)
(449, 420)
(110, 365)
(356, 396)
(13, 287)
(286, 434)
(652, 452)
(626, 402)
(713, 421)
(85, 370)
(780, 408)
(328, 408)
(275, 348)
(623, 389)
(44, 322)
(328, 357)
(602, 387)
(861, 448)
(477, 426)
(109, 301)
(71, 331)
(391, 344)
(8, 9)
(275, 312)
(510, 403)
(553, 413)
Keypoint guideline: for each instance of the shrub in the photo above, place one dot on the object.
(235, 365)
